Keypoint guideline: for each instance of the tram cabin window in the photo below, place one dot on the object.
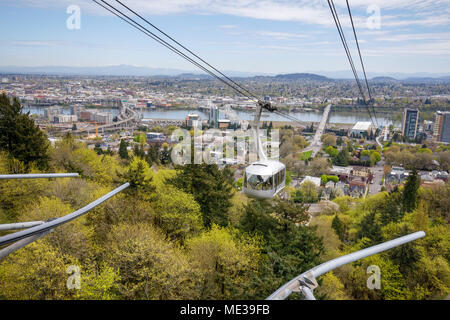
(260, 182)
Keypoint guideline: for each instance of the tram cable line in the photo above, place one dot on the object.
(204, 65)
(224, 79)
(188, 50)
(193, 58)
(362, 63)
(158, 39)
(266, 177)
(348, 53)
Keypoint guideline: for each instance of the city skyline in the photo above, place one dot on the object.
(247, 36)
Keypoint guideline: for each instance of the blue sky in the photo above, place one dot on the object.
(267, 36)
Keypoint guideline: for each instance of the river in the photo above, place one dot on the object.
(304, 116)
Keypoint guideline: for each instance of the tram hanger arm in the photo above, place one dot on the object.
(267, 105)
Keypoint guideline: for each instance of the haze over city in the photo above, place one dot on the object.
(250, 37)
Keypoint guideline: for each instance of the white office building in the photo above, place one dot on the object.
(362, 127)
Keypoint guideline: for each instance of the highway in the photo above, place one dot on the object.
(125, 112)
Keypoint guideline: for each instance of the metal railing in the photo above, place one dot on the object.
(306, 282)
(38, 229)
(37, 176)
(20, 225)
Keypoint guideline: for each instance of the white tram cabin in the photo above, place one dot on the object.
(264, 179)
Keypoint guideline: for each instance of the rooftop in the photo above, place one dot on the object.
(362, 126)
(314, 180)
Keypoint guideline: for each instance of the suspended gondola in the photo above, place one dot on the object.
(264, 178)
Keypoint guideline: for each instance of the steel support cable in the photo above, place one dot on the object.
(362, 63)
(349, 56)
(150, 34)
(359, 51)
(188, 50)
(346, 48)
(347, 51)
(290, 117)
(155, 37)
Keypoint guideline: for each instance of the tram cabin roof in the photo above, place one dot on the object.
(265, 167)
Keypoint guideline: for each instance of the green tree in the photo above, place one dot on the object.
(411, 192)
(138, 151)
(176, 213)
(332, 151)
(140, 178)
(307, 193)
(339, 227)
(152, 155)
(165, 154)
(123, 152)
(329, 139)
(212, 189)
(41, 270)
(390, 208)
(289, 247)
(226, 263)
(20, 137)
(98, 284)
(342, 158)
(149, 266)
(370, 228)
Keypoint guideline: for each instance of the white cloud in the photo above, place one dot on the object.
(419, 12)
(429, 48)
(415, 37)
(280, 35)
(228, 26)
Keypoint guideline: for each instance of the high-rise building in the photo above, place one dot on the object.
(103, 117)
(441, 132)
(191, 118)
(74, 110)
(213, 116)
(410, 123)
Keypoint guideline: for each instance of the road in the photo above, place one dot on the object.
(316, 144)
(378, 172)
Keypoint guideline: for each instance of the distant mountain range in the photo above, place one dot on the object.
(393, 76)
(302, 76)
(128, 70)
(384, 79)
(119, 70)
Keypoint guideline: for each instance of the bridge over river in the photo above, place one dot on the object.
(316, 143)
